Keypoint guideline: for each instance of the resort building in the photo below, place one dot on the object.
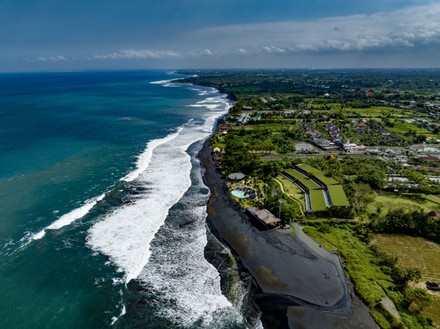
(265, 217)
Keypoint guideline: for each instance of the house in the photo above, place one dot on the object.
(265, 217)
(324, 144)
(243, 118)
(427, 158)
(369, 93)
(378, 128)
(223, 127)
(353, 148)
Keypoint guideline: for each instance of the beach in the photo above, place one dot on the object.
(294, 285)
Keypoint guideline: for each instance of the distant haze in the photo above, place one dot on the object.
(53, 35)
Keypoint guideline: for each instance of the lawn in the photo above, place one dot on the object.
(318, 201)
(292, 190)
(337, 194)
(415, 252)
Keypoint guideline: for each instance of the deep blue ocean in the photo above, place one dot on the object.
(102, 203)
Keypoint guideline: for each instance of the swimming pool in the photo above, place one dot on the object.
(239, 193)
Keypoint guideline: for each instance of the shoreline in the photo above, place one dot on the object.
(292, 284)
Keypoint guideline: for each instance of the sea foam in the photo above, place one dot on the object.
(125, 234)
(69, 218)
(189, 286)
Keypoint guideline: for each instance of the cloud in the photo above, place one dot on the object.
(139, 54)
(49, 59)
(201, 53)
(408, 37)
(405, 28)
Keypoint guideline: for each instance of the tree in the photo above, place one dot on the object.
(416, 299)
(272, 168)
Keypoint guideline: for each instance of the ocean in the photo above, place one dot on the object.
(103, 206)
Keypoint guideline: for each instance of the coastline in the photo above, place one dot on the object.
(293, 285)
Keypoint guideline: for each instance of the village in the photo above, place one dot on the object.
(353, 157)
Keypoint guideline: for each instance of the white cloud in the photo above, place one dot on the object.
(139, 54)
(49, 59)
(399, 34)
(274, 50)
(201, 53)
(407, 28)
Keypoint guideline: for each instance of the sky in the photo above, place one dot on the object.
(61, 35)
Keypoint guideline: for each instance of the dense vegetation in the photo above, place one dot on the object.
(389, 187)
(415, 223)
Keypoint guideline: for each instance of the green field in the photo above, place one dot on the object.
(318, 174)
(337, 194)
(418, 253)
(370, 282)
(402, 128)
(317, 199)
(410, 202)
(433, 198)
(306, 181)
(377, 111)
(292, 191)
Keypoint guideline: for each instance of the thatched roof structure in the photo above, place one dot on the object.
(236, 176)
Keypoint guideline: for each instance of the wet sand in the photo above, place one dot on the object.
(296, 286)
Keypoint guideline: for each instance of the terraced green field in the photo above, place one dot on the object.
(318, 174)
(318, 201)
(307, 182)
(337, 194)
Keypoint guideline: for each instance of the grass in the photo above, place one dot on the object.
(306, 181)
(377, 111)
(337, 194)
(370, 281)
(416, 252)
(292, 191)
(318, 174)
(389, 201)
(433, 198)
(318, 201)
(401, 128)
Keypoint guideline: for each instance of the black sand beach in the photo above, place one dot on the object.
(296, 286)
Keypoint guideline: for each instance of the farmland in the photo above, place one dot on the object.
(385, 201)
(418, 253)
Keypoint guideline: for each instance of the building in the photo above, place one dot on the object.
(265, 217)
(353, 148)
(324, 144)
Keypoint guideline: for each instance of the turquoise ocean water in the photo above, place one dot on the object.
(102, 204)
